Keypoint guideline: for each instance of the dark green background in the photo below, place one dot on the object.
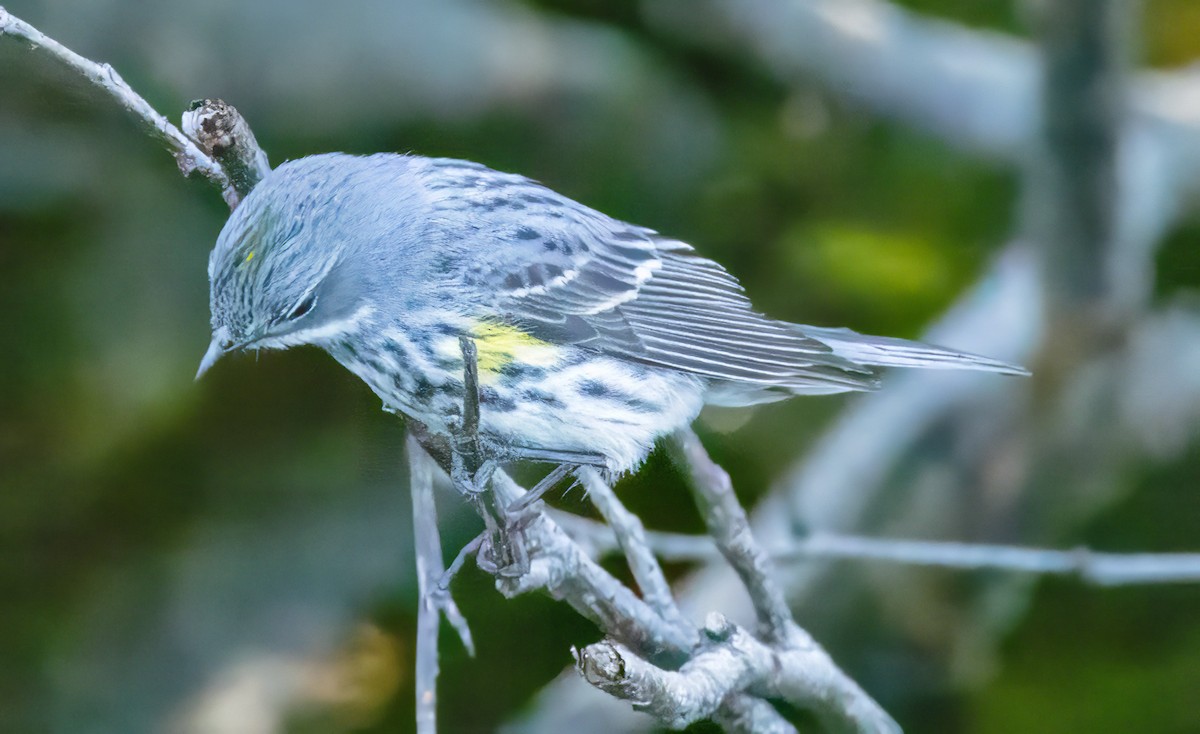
(154, 530)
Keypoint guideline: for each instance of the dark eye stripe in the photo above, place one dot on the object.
(303, 307)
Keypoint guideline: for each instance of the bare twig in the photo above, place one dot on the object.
(1102, 569)
(727, 523)
(746, 714)
(815, 682)
(433, 599)
(189, 157)
(561, 568)
(630, 536)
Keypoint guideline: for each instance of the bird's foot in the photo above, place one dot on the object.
(505, 548)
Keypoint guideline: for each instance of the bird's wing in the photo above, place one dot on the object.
(569, 274)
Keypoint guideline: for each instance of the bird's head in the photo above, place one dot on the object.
(276, 275)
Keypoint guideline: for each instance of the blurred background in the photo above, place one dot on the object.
(235, 555)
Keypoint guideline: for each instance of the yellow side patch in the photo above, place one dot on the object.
(250, 257)
(499, 345)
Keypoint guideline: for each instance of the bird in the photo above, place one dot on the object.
(593, 337)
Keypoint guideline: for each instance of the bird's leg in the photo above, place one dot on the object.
(503, 550)
(556, 475)
(566, 464)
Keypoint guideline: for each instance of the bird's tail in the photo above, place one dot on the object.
(885, 351)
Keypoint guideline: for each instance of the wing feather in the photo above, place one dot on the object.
(573, 275)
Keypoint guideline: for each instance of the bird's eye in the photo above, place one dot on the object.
(303, 307)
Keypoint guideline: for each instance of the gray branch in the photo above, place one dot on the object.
(971, 88)
(433, 601)
(739, 712)
(735, 661)
(189, 157)
(729, 526)
(566, 572)
(630, 536)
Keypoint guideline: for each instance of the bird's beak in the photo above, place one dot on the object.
(218, 347)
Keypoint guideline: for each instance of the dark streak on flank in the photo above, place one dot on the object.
(513, 371)
(494, 401)
(534, 395)
(597, 389)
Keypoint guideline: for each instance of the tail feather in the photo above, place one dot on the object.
(882, 351)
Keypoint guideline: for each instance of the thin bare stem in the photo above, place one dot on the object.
(1090, 566)
(729, 527)
(562, 568)
(187, 154)
(434, 600)
(630, 535)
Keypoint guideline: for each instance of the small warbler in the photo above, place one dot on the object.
(594, 336)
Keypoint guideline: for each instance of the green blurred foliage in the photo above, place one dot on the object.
(152, 529)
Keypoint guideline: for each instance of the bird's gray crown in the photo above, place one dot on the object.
(288, 235)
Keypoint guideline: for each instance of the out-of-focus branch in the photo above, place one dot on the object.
(1090, 566)
(1070, 200)
(974, 89)
(971, 88)
(189, 157)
